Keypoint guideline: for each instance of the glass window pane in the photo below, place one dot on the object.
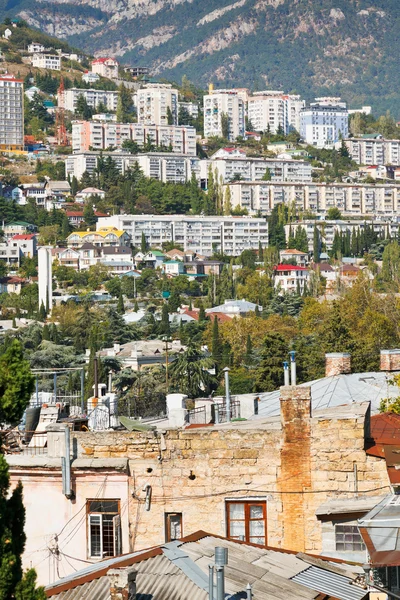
(257, 528)
(257, 540)
(256, 512)
(175, 524)
(236, 511)
(237, 529)
(95, 536)
(103, 506)
(108, 536)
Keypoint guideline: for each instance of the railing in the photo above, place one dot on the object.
(220, 414)
(197, 416)
(14, 441)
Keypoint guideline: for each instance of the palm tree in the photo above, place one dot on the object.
(190, 372)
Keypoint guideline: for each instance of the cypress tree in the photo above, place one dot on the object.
(120, 305)
(316, 245)
(202, 313)
(164, 327)
(42, 312)
(216, 343)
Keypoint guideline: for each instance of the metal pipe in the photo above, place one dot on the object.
(96, 378)
(210, 582)
(286, 373)
(83, 391)
(227, 395)
(55, 387)
(67, 462)
(110, 380)
(292, 355)
(220, 582)
(249, 592)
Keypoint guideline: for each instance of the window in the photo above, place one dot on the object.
(348, 538)
(104, 528)
(173, 526)
(247, 521)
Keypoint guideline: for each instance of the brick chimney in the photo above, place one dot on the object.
(390, 360)
(337, 363)
(122, 584)
(295, 472)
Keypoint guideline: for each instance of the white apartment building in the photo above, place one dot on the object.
(168, 167)
(153, 102)
(105, 67)
(98, 135)
(191, 107)
(93, 97)
(35, 48)
(254, 169)
(269, 110)
(291, 278)
(381, 200)
(328, 229)
(202, 235)
(46, 61)
(90, 77)
(11, 113)
(77, 164)
(324, 122)
(374, 150)
(218, 104)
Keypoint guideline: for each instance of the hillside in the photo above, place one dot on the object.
(344, 47)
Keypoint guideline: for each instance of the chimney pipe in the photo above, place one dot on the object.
(292, 355)
(110, 380)
(227, 395)
(96, 378)
(286, 381)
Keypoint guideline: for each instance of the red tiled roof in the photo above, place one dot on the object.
(21, 236)
(103, 60)
(289, 268)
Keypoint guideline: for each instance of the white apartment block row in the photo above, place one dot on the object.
(374, 151)
(269, 110)
(350, 199)
(254, 169)
(11, 113)
(164, 166)
(328, 229)
(47, 61)
(93, 97)
(202, 235)
(220, 104)
(152, 104)
(324, 122)
(97, 135)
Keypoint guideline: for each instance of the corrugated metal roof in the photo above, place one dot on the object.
(330, 583)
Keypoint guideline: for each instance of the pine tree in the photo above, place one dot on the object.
(120, 304)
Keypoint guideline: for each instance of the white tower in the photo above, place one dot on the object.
(45, 277)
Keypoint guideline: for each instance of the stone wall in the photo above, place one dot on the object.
(194, 471)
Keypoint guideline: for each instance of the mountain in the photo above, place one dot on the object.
(314, 47)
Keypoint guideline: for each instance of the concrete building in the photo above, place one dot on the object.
(168, 167)
(192, 108)
(271, 110)
(254, 169)
(202, 235)
(96, 135)
(77, 164)
(11, 114)
(93, 97)
(324, 122)
(105, 67)
(45, 278)
(27, 243)
(105, 235)
(374, 150)
(17, 228)
(90, 77)
(224, 104)
(291, 279)
(154, 102)
(36, 48)
(10, 255)
(51, 62)
(377, 200)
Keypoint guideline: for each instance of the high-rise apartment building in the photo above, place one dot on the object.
(273, 110)
(94, 98)
(100, 135)
(324, 122)
(224, 114)
(157, 104)
(374, 150)
(11, 113)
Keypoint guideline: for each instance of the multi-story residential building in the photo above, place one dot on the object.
(324, 122)
(291, 278)
(27, 243)
(328, 229)
(192, 108)
(93, 97)
(202, 235)
(374, 150)
(90, 77)
(157, 104)
(137, 71)
(100, 135)
(18, 228)
(105, 67)
(11, 113)
(271, 110)
(370, 200)
(220, 105)
(46, 61)
(35, 48)
(104, 236)
(168, 167)
(254, 169)
(77, 164)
